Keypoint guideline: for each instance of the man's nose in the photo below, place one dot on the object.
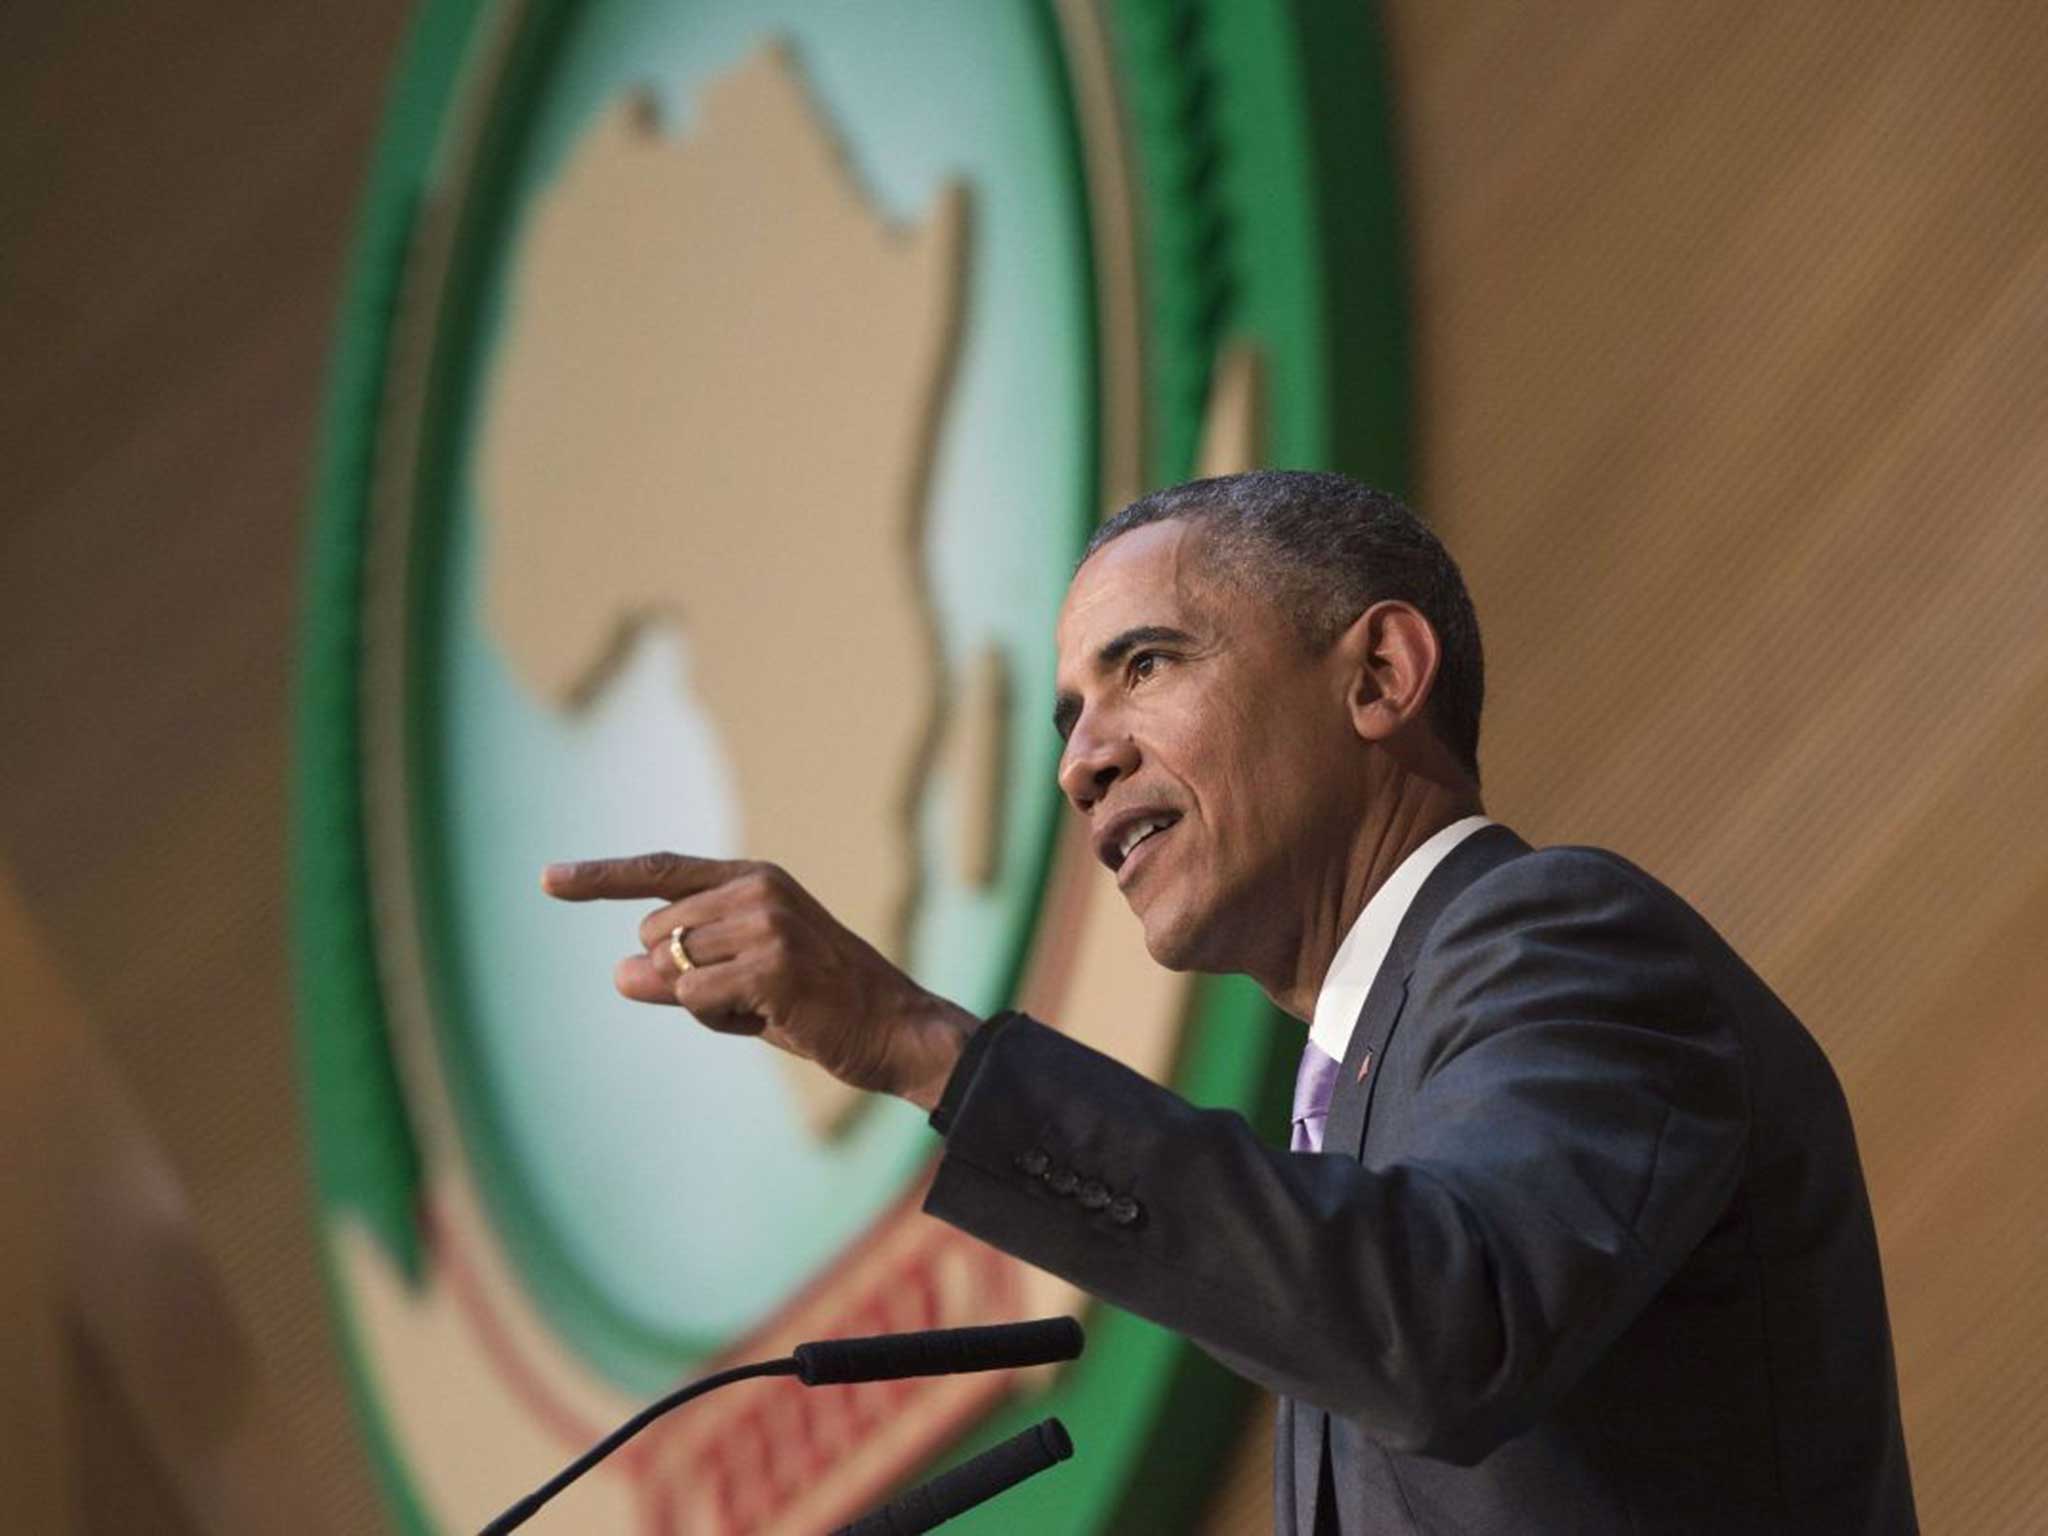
(1093, 761)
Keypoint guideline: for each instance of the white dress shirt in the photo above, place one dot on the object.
(1359, 957)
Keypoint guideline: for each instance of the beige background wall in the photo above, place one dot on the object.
(176, 197)
(1731, 326)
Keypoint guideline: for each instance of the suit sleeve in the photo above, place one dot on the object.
(1577, 1122)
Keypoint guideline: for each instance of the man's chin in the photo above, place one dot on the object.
(1176, 941)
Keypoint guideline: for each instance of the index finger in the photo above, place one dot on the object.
(667, 875)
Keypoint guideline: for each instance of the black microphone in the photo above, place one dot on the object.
(883, 1357)
(938, 1352)
(974, 1481)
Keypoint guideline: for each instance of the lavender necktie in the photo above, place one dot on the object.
(1313, 1081)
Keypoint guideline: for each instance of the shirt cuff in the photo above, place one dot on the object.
(957, 1086)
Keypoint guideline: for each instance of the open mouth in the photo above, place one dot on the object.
(1130, 837)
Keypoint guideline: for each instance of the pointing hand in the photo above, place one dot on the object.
(766, 959)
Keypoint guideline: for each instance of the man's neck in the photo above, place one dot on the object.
(1403, 821)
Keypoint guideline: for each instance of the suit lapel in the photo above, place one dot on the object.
(1308, 1425)
(1304, 1436)
(1351, 1099)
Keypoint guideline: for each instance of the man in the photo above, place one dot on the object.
(1573, 1236)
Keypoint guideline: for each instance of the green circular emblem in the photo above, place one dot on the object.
(724, 394)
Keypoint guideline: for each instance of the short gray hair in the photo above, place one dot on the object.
(1325, 548)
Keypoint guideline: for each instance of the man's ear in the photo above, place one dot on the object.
(1389, 656)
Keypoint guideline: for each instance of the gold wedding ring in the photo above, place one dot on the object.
(675, 948)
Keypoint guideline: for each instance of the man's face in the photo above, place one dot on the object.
(1213, 757)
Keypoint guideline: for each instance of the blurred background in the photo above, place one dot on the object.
(1728, 342)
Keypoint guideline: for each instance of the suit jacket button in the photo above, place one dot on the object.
(1125, 1211)
(1063, 1181)
(1034, 1162)
(1094, 1195)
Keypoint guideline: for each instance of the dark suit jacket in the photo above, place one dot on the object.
(1587, 1248)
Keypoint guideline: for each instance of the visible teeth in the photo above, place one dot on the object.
(1138, 831)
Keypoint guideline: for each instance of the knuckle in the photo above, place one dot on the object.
(656, 927)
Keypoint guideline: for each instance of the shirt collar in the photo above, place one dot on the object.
(1365, 947)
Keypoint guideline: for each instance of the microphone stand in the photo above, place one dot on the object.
(938, 1352)
(526, 1508)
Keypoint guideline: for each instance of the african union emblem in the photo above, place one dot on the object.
(725, 392)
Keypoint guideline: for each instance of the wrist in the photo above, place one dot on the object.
(941, 1031)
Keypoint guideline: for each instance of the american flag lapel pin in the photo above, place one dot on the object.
(1365, 1066)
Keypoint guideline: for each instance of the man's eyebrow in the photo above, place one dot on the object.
(1066, 707)
(1131, 639)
